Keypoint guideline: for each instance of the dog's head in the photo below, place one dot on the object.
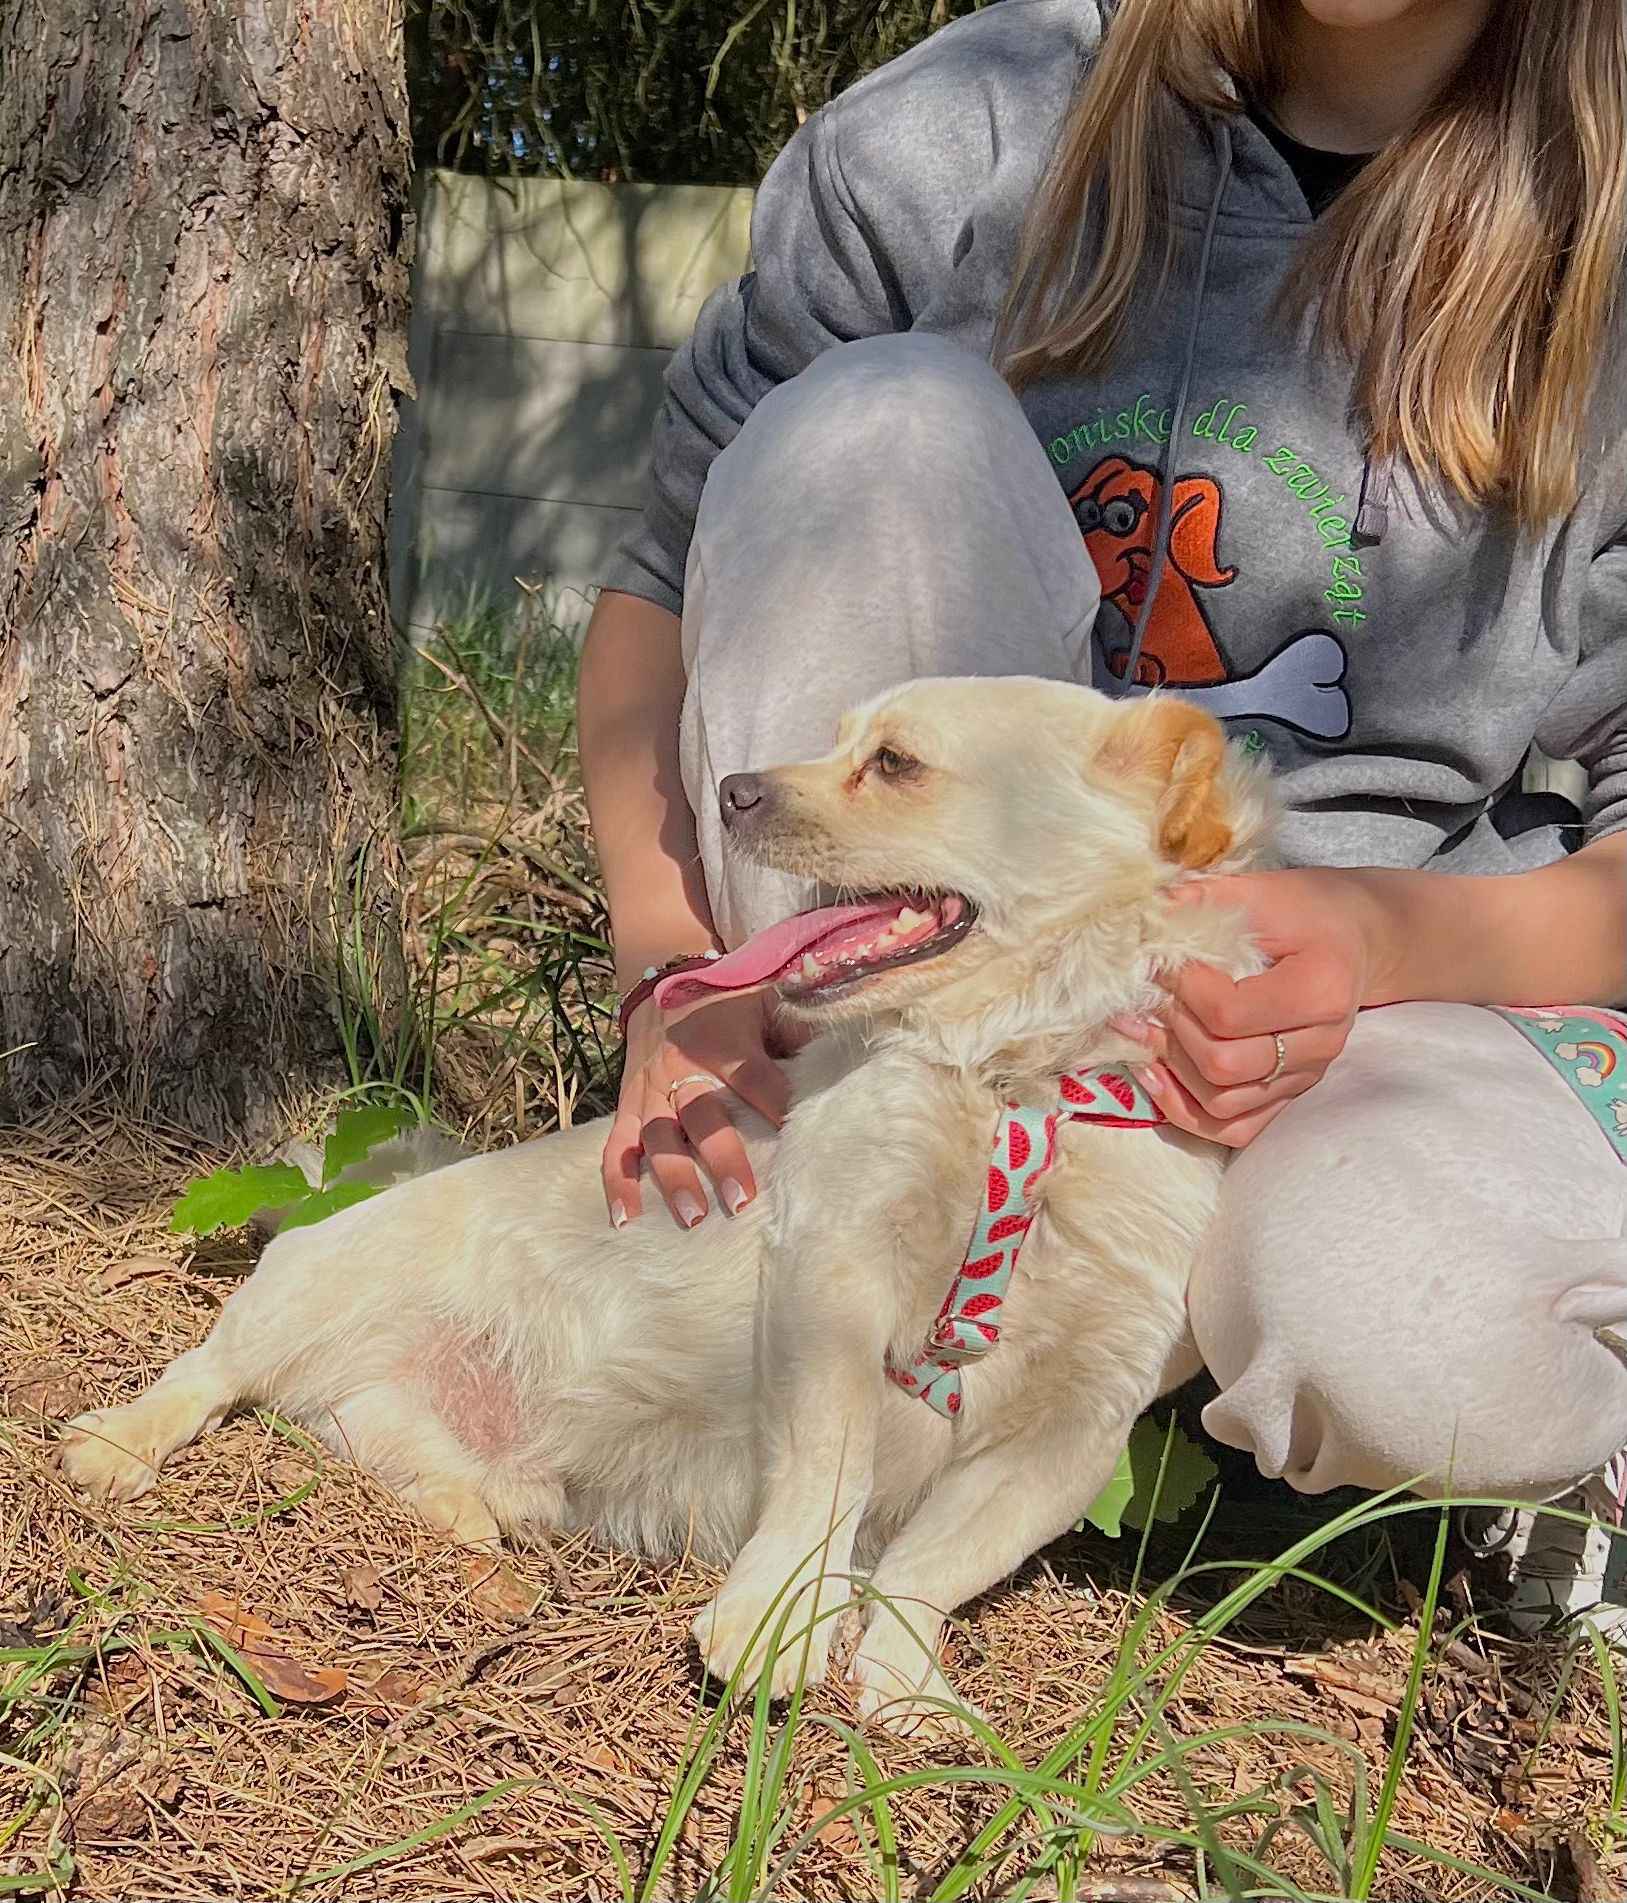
(999, 832)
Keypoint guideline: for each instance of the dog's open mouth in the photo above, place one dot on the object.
(825, 953)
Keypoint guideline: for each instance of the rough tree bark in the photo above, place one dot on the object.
(203, 243)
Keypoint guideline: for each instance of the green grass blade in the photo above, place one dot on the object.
(385, 1853)
(36, 1882)
(960, 1877)
(240, 1665)
(1510, 1886)
(1605, 1660)
(1372, 1848)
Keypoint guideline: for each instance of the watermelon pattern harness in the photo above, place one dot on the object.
(968, 1324)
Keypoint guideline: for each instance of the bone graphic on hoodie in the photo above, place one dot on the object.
(1116, 507)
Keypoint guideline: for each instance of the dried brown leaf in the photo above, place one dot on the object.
(361, 1587)
(132, 1269)
(265, 1652)
(498, 1591)
(398, 1686)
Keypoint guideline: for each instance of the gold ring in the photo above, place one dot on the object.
(694, 1077)
(1277, 1068)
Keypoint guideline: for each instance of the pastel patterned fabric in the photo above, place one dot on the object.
(968, 1324)
(1588, 1047)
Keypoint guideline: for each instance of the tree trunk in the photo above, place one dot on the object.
(204, 228)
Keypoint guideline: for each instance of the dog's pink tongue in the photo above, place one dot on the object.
(766, 955)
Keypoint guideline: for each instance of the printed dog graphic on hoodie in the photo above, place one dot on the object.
(1117, 507)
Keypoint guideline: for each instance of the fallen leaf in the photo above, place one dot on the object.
(486, 1849)
(48, 1391)
(362, 1587)
(833, 1826)
(131, 1269)
(397, 1686)
(497, 1591)
(264, 1651)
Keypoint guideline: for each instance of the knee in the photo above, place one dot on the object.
(904, 399)
(1354, 1351)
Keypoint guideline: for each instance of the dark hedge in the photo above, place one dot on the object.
(697, 91)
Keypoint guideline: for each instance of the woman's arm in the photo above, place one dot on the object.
(1554, 936)
(1231, 1055)
(628, 702)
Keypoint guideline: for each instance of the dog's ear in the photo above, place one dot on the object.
(1183, 750)
(1194, 531)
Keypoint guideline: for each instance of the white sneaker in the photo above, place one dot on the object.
(1558, 1570)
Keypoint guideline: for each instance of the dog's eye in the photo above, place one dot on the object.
(892, 765)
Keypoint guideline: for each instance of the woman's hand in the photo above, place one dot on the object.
(1331, 938)
(669, 1112)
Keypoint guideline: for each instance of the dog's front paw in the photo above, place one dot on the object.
(770, 1604)
(93, 1455)
(912, 1700)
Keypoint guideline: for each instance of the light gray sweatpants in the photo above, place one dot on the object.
(1411, 1267)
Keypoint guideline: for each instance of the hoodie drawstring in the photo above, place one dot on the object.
(1166, 498)
(1373, 505)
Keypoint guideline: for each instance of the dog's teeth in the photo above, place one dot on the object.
(811, 967)
(908, 919)
(886, 940)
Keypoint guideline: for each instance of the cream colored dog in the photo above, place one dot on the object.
(482, 1340)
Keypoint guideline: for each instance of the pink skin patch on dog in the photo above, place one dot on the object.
(472, 1392)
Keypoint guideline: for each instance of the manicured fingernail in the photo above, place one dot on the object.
(734, 1196)
(688, 1209)
(1138, 1029)
(1150, 1077)
(618, 1216)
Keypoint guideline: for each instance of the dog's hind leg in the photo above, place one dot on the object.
(979, 1523)
(115, 1452)
(387, 1429)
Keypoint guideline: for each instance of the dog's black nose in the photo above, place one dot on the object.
(739, 794)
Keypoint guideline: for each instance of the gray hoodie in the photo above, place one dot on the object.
(1394, 653)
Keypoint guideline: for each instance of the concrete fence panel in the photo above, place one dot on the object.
(544, 312)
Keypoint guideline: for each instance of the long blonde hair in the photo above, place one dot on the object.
(1469, 274)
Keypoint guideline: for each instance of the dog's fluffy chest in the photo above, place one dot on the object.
(883, 1157)
(884, 1163)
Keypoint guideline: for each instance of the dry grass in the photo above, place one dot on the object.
(491, 1729)
(507, 939)
(174, 1782)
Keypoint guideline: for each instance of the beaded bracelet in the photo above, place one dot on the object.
(651, 976)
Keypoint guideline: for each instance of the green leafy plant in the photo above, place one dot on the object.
(228, 1199)
(1139, 1492)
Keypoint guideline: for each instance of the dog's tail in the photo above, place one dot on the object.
(413, 1153)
